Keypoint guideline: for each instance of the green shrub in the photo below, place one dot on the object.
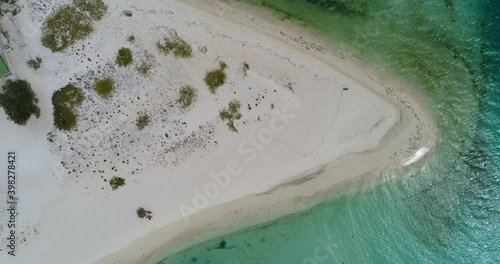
(216, 78)
(246, 67)
(116, 182)
(141, 212)
(131, 39)
(127, 13)
(231, 114)
(70, 96)
(19, 101)
(143, 120)
(65, 101)
(35, 63)
(71, 23)
(187, 95)
(124, 57)
(175, 45)
(105, 87)
(146, 65)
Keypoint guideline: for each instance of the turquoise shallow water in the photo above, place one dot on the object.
(447, 210)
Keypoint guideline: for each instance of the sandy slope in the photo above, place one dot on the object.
(186, 166)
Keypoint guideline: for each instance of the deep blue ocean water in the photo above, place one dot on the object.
(444, 211)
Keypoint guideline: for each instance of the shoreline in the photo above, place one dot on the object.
(281, 179)
(288, 197)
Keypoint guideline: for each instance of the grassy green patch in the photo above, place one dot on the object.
(187, 95)
(19, 101)
(116, 182)
(124, 57)
(105, 87)
(231, 114)
(71, 23)
(216, 78)
(65, 101)
(175, 45)
(143, 120)
(146, 65)
(35, 63)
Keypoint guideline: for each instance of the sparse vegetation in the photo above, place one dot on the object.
(231, 114)
(141, 213)
(19, 101)
(216, 78)
(246, 67)
(131, 39)
(35, 63)
(146, 65)
(143, 120)
(105, 87)
(127, 13)
(124, 58)
(65, 101)
(187, 96)
(175, 45)
(117, 182)
(71, 23)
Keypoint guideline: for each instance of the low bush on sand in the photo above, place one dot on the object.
(127, 13)
(71, 23)
(35, 63)
(231, 114)
(216, 78)
(175, 45)
(105, 87)
(246, 67)
(143, 120)
(65, 102)
(187, 96)
(117, 182)
(124, 57)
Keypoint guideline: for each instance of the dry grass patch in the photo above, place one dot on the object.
(187, 95)
(175, 45)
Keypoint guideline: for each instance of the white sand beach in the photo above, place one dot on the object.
(314, 122)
